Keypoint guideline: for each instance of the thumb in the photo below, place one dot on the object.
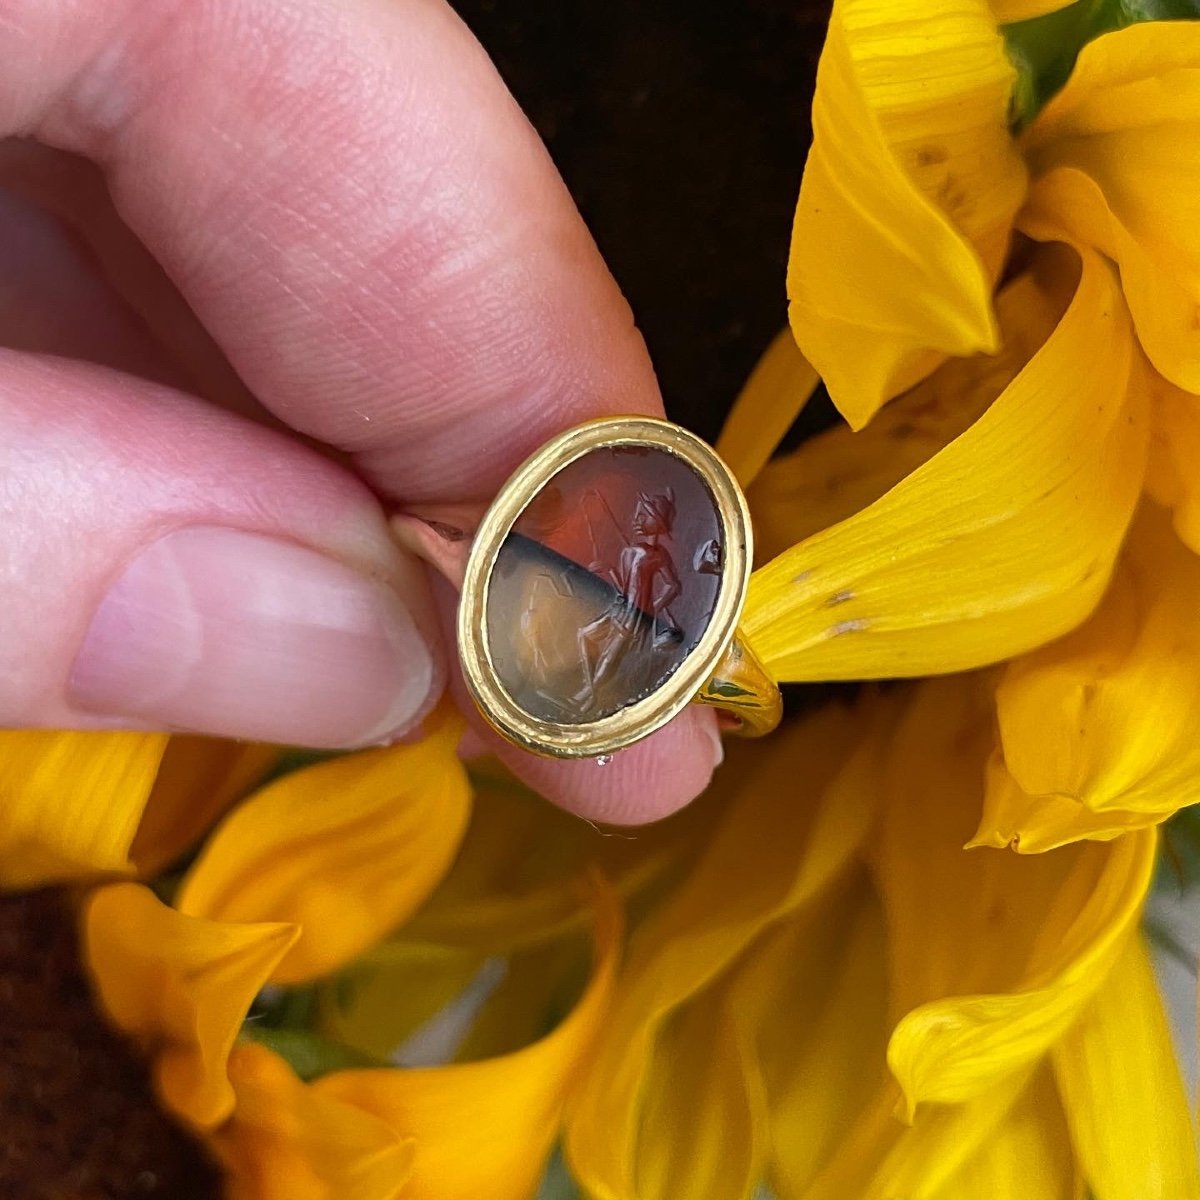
(169, 565)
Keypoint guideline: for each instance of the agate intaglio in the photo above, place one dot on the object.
(603, 586)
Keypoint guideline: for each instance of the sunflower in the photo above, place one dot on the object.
(298, 881)
(378, 977)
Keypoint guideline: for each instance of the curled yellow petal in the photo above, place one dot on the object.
(1107, 716)
(1173, 472)
(1053, 924)
(485, 1128)
(1126, 1106)
(198, 779)
(70, 803)
(908, 197)
(841, 471)
(689, 941)
(1116, 164)
(289, 1141)
(1000, 542)
(346, 849)
(778, 389)
(1028, 824)
(181, 987)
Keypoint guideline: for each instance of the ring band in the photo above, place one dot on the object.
(740, 687)
(602, 590)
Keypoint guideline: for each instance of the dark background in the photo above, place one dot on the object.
(681, 128)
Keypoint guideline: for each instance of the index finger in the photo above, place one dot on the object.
(358, 211)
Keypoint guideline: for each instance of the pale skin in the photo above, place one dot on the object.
(271, 271)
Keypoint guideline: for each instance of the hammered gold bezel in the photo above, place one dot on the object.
(630, 724)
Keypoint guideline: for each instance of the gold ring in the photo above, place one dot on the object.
(602, 592)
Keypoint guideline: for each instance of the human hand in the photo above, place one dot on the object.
(331, 218)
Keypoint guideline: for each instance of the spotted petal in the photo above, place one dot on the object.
(1000, 542)
(841, 471)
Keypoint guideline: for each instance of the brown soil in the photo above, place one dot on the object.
(78, 1118)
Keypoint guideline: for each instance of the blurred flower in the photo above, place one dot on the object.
(295, 883)
(842, 999)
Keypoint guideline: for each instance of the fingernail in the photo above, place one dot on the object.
(226, 632)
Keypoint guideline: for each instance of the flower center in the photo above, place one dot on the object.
(76, 1103)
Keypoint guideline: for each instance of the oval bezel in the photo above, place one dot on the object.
(644, 716)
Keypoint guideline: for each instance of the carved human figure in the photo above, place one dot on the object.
(604, 584)
(638, 618)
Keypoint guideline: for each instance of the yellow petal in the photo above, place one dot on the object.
(1125, 1102)
(784, 838)
(1116, 161)
(484, 1129)
(288, 1141)
(181, 987)
(1053, 924)
(832, 476)
(908, 197)
(513, 881)
(702, 1123)
(883, 1159)
(1028, 824)
(815, 1006)
(778, 389)
(1027, 1156)
(346, 849)
(1000, 542)
(1173, 472)
(1106, 717)
(198, 779)
(70, 802)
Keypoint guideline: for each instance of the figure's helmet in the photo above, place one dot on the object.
(655, 514)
